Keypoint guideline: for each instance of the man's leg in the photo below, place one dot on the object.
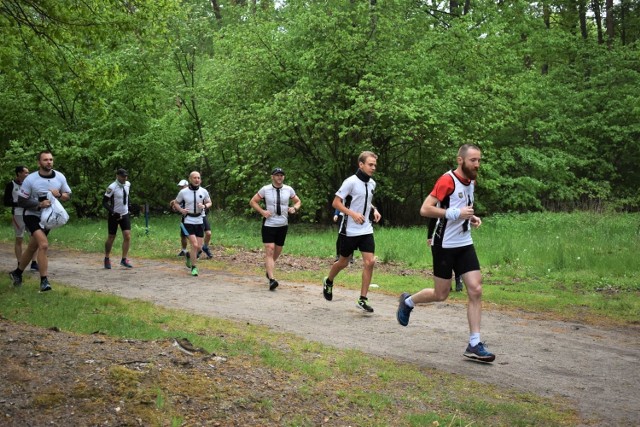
(473, 280)
(108, 245)
(369, 262)
(126, 243)
(17, 248)
(269, 261)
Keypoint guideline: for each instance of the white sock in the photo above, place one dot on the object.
(409, 302)
(474, 339)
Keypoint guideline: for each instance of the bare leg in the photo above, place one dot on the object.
(369, 261)
(126, 242)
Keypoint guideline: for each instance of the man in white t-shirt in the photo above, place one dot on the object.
(191, 201)
(275, 223)
(354, 200)
(116, 201)
(451, 203)
(34, 196)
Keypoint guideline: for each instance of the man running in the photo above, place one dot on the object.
(354, 200)
(116, 201)
(33, 198)
(451, 202)
(11, 193)
(190, 202)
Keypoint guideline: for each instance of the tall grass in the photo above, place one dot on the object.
(537, 261)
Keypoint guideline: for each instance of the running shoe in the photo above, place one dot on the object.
(404, 311)
(479, 353)
(107, 263)
(34, 266)
(327, 289)
(187, 260)
(273, 284)
(458, 283)
(194, 271)
(44, 285)
(125, 263)
(207, 251)
(16, 278)
(363, 303)
(182, 252)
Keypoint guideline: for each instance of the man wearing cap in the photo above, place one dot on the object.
(183, 231)
(116, 200)
(275, 222)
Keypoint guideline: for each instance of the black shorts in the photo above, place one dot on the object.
(364, 243)
(32, 223)
(275, 235)
(113, 222)
(205, 222)
(195, 229)
(460, 260)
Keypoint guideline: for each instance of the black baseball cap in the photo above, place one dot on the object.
(122, 172)
(276, 171)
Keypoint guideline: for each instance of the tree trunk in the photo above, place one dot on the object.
(609, 21)
(597, 16)
(582, 14)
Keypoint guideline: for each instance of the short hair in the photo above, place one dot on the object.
(43, 152)
(365, 155)
(464, 148)
(19, 169)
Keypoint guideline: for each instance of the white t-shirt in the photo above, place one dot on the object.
(361, 197)
(119, 194)
(189, 199)
(36, 187)
(269, 194)
(451, 192)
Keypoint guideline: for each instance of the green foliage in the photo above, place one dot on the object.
(171, 86)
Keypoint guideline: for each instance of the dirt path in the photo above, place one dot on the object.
(595, 367)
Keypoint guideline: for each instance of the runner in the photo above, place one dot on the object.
(451, 202)
(183, 231)
(33, 197)
(116, 200)
(354, 200)
(11, 193)
(275, 219)
(190, 202)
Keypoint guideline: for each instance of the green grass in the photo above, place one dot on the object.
(579, 266)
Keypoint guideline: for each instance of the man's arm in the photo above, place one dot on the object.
(255, 204)
(106, 203)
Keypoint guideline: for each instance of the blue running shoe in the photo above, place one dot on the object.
(479, 353)
(125, 263)
(107, 263)
(34, 266)
(404, 311)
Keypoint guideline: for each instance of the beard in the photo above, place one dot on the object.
(470, 173)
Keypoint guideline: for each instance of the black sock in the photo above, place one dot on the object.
(329, 282)
(18, 271)
(43, 278)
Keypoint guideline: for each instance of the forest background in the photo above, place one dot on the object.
(549, 90)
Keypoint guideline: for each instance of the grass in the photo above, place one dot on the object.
(578, 266)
